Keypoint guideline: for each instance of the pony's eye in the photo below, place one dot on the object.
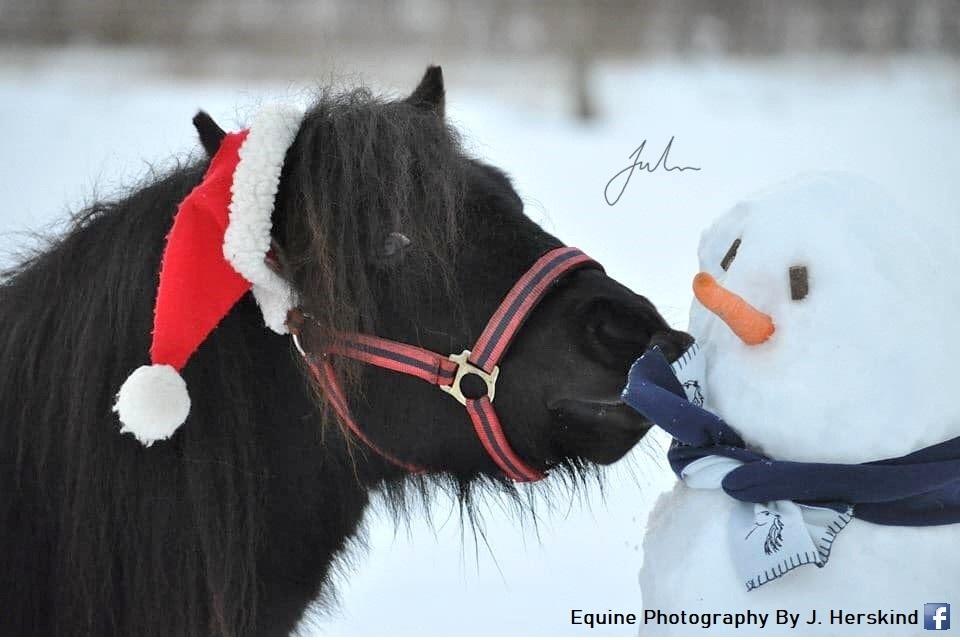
(730, 255)
(799, 283)
(392, 250)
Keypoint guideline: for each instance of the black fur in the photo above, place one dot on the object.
(231, 526)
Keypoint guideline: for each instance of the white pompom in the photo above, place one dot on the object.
(152, 403)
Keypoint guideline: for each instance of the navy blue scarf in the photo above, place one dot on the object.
(921, 488)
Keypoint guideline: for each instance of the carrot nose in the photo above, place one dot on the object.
(752, 326)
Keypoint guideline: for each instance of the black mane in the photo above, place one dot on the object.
(102, 534)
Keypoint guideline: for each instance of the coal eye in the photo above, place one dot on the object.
(799, 283)
(731, 254)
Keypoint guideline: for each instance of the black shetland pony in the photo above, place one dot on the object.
(231, 526)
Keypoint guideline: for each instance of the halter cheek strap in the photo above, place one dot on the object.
(470, 376)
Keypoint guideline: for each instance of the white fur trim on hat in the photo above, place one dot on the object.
(255, 183)
(152, 403)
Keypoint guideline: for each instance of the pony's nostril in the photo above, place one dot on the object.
(616, 334)
(620, 332)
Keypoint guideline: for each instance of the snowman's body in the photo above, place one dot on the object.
(687, 567)
(860, 367)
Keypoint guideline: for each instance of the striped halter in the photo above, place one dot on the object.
(470, 376)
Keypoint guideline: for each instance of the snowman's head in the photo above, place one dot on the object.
(825, 314)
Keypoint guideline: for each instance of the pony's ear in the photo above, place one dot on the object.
(430, 93)
(211, 135)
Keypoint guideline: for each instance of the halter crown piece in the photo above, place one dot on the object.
(215, 253)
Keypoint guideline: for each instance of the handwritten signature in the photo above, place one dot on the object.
(662, 162)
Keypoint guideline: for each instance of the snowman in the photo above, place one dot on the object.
(826, 325)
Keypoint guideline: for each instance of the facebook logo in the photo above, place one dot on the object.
(936, 616)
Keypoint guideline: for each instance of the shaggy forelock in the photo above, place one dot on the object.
(361, 168)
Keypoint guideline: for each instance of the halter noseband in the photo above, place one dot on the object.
(470, 376)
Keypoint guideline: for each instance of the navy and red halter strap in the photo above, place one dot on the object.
(470, 377)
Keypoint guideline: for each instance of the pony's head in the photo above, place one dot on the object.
(387, 228)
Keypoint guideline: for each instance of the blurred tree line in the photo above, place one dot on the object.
(574, 28)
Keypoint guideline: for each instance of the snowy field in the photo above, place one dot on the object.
(73, 130)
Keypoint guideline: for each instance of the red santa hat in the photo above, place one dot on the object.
(216, 251)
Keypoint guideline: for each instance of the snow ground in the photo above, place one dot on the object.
(75, 130)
